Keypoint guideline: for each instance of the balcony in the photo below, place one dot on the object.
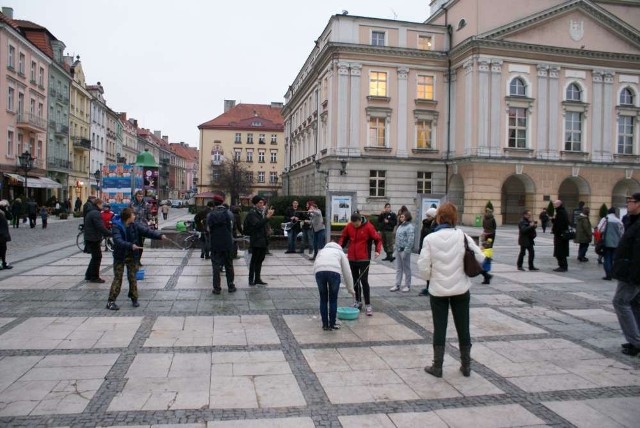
(62, 129)
(81, 143)
(59, 164)
(31, 122)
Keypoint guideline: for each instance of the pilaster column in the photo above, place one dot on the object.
(449, 143)
(354, 118)
(483, 105)
(403, 144)
(608, 118)
(554, 115)
(541, 107)
(468, 107)
(496, 91)
(343, 86)
(597, 130)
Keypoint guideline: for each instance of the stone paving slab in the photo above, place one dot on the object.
(546, 349)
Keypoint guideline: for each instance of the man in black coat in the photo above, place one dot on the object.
(387, 221)
(626, 269)
(256, 224)
(32, 212)
(291, 216)
(560, 243)
(220, 225)
(526, 237)
(94, 231)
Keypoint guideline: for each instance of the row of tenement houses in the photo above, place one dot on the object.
(510, 101)
(66, 126)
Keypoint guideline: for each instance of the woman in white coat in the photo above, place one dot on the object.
(441, 263)
(330, 263)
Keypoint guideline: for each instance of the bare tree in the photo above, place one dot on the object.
(231, 177)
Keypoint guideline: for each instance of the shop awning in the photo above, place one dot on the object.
(43, 183)
(36, 182)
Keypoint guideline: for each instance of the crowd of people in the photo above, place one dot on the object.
(440, 262)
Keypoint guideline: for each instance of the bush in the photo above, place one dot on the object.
(281, 203)
(603, 211)
(550, 209)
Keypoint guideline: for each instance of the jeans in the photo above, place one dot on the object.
(319, 239)
(307, 239)
(218, 260)
(328, 286)
(291, 238)
(403, 266)
(582, 250)
(93, 270)
(626, 303)
(532, 254)
(608, 260)
(360, 275)
(459, 310)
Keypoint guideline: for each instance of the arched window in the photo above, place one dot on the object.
(574, 93)
(216, 155)
(517, 88)
(626, 97)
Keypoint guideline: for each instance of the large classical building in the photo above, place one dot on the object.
(253, 135)
(537, 102)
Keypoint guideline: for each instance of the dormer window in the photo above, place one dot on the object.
(377, 38)
(256, 123)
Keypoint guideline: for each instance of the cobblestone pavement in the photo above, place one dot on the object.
(546, 348)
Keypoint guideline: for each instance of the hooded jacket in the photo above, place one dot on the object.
(441, 262)
(125, 236)
(405, 236)
(94, 229)
(611, 229)
(359, 240)
(332, 259)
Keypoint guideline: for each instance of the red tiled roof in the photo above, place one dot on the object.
(37, 34)
(4, 18)
(243, 116)
(185, 152)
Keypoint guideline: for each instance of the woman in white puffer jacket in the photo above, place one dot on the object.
(331, 262)
(441, 263)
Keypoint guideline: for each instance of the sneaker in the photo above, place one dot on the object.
(533, 269)
(335, 327)
(521, 268)
(134, 303)
(424, 292)
(392, 259)
(97, 280)
(395, 288)
(358, 305)
(369, 311)
(112, 306)
(560, 269)
(405, 289)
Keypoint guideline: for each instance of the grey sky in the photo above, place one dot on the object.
(171, 64)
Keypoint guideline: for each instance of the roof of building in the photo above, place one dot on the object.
(248, 117)
(184, 151)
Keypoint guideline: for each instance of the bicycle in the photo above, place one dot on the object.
(108, 242)
(187, 239)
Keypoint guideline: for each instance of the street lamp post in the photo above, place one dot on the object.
(26, 164)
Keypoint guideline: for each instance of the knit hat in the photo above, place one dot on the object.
(431, 212)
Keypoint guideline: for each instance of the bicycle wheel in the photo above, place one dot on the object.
(80, 241)
(185, 240)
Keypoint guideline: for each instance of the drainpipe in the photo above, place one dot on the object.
(449, 43)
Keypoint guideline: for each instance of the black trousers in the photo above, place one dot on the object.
(255, 265)
(460, 311)
(218, 260)
(93, 270)
(360, 275)
(532, 254)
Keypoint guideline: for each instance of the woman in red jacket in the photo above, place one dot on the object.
(358, 234)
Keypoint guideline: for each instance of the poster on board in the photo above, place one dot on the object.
(341, 208)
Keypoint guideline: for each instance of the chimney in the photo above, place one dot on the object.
(229, 104)
(275, 104)
(8, 12)
(165, 138)
(157, 134)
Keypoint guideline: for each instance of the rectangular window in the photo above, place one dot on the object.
(260, 176)
(424, 43)
(274, 156)
(377, 182)
(32, 73)
(249, 155)
(41, 77)
(274, 138)
(32, 106)
(424, 182)
(249, 138)
(423, 134)
(40, 109)
(273, 177)
(11, 60)
(249, 176)
(573, 131)
(9, 143)
(425, 87)
(517, 127)
(39, 150)
(377, 38)
(21, 64)
(19, 147)
(377, 134)
(11, 93)
(238, 138)
(378, 84)
(625, 135)
(261, 156)
(236, 155)
(261, 139)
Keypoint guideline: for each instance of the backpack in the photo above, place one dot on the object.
(219, 217)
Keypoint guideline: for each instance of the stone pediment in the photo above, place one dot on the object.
(578, 24)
